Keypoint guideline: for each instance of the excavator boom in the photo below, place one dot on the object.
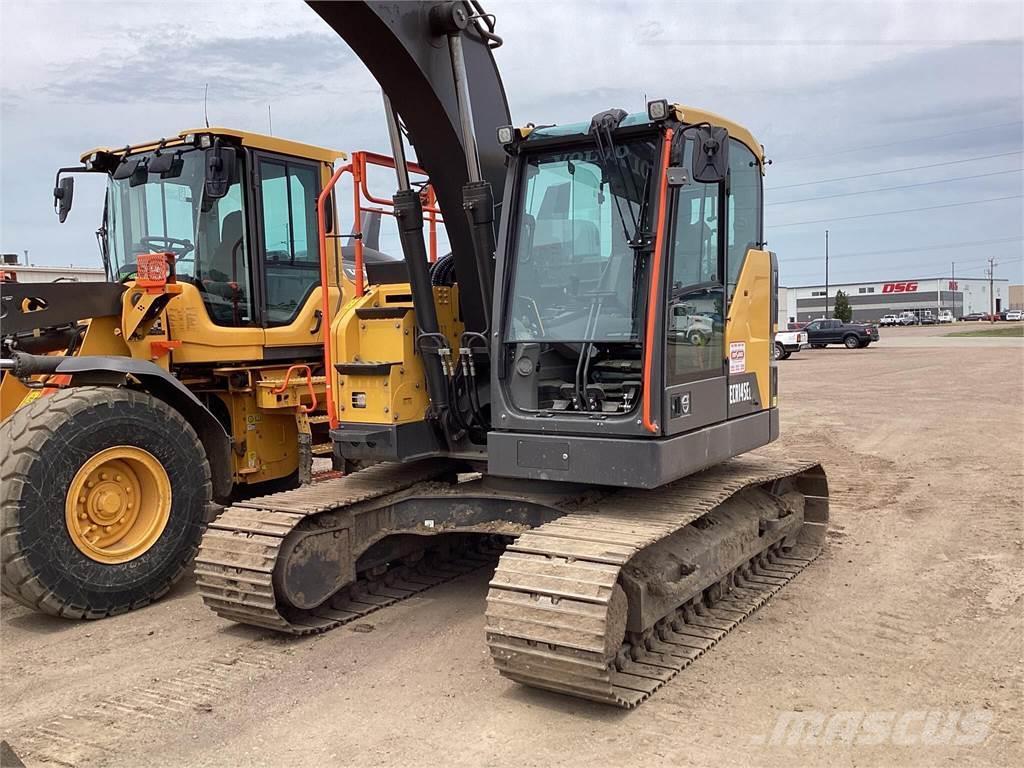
(408, 54)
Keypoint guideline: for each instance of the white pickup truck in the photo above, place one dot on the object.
(788, 342)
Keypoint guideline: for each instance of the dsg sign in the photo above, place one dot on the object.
(899, 287)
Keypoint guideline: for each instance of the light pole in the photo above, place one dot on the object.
(826, 273)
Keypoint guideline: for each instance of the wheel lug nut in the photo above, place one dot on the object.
(81, 499)
(82, 516)
(108, 528)
(104, 475)
(117, 478)
(90, 484)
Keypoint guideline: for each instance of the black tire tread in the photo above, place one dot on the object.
(24, 435)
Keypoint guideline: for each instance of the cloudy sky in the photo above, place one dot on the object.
(896, 125)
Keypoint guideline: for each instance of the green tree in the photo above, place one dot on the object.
(843, 311)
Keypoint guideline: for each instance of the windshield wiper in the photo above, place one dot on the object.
(601, 127)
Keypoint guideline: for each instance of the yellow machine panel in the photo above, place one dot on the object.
(375, 339)
(750, 318)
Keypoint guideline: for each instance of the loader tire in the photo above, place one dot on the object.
(103, 500)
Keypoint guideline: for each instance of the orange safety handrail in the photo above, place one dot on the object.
(357, 167)
(309, 385)
(652, 297)
(325, 298)
(431, 213)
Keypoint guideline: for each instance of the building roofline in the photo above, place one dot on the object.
(53, 268)
(908, 280)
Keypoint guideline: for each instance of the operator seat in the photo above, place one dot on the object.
(221, 267)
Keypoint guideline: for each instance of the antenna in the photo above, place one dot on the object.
(270, 121)
(206, 117)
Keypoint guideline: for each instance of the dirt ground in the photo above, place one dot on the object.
(914, 607)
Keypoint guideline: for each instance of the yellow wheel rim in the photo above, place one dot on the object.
(118, 504)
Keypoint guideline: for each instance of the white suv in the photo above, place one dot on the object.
(889, 320)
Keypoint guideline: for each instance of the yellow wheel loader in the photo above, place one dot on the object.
(134, 408)
(546, 382)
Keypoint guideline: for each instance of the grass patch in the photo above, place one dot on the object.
(998, 330)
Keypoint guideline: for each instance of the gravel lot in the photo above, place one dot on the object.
(915, 607)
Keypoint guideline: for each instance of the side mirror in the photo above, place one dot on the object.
(63, 194)
(220, 169)
(710, 155)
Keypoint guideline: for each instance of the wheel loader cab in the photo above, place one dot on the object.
(246, 254)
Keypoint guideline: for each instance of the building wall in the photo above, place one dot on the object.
(49, 274)
(783, 317)
(1016, 296)
(870, 301)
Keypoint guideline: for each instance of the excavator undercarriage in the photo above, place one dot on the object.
(601, 594)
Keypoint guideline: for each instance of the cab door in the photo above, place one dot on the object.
(696, 380)
(288, 253)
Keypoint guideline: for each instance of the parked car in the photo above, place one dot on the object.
(973, 317)
(946, 316)
(823, 332)
(927, 320)
(907, 318)
(889, 320)
(788, 342)
(1015, 314)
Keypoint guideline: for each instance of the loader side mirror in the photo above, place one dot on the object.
(220, 169)
(63, 194)
(710, 155)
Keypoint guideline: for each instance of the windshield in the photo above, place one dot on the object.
(207, 237)
(576, 277)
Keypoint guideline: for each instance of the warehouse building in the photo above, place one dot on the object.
(870, 301)
(14, 269)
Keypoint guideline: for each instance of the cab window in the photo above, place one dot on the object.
(744, 231)
(291, 258)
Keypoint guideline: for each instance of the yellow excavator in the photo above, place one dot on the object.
(134, 409)
(579, 376)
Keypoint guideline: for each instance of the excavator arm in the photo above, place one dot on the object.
(406, 50)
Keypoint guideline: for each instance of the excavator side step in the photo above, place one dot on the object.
(556, 609)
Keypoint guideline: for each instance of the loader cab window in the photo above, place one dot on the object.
(291, 256)
(207, 237)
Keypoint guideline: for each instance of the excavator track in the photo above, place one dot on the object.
(235, 565)
(556, 608)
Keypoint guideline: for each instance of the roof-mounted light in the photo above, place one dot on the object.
(506, 135)
(657, 110)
